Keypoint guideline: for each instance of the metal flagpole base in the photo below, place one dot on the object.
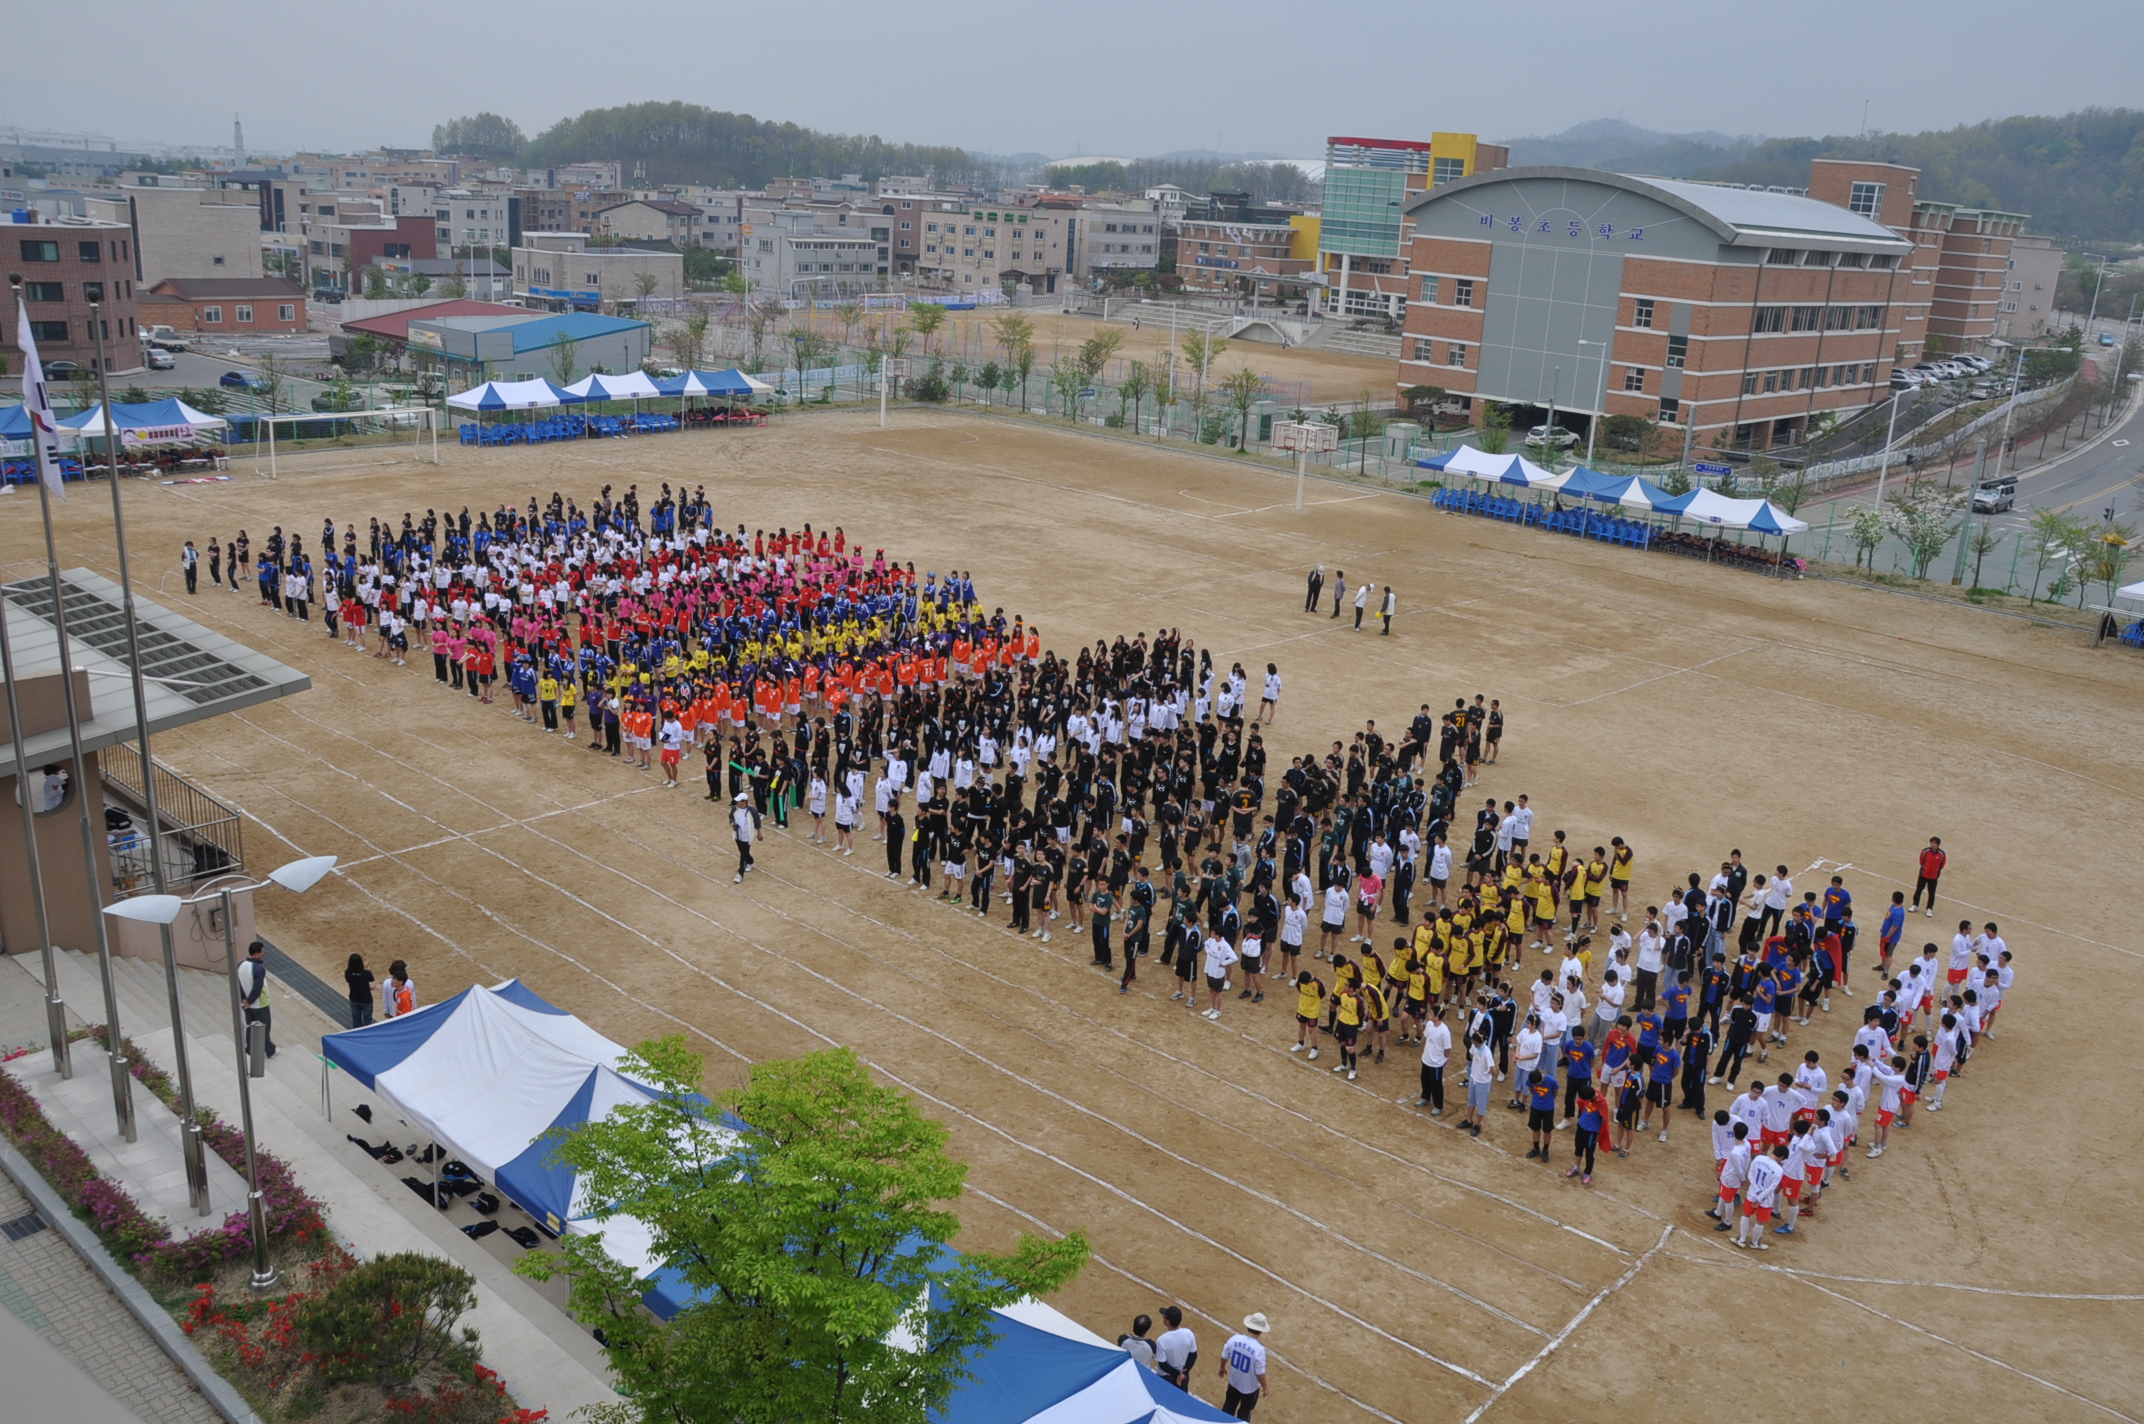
(56, 1031)
(264, 1272)
(122, 1093)
(193, 1148)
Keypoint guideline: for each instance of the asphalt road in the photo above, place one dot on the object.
(2088, 481)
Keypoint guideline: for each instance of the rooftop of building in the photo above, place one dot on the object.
(198, 289)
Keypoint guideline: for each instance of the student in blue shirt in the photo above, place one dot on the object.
(1578, 1054)
(1675, 1007)
(1648, 1026)
(1892, 930)
(1587, 1136)
(1540, 1112)
(1837, 900)
(1660, 1087)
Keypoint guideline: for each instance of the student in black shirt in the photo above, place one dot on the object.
(360, 980)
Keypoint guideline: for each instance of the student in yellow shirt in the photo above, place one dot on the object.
(1309, 995)
(547, 698)
(569, 698)
(1596, 886)
(1619, 871)
(1348, 1015)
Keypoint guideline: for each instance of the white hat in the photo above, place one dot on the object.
(740, 796)
(1255, 1322)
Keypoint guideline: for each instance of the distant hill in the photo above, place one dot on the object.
(2080, 176)
(688, 143)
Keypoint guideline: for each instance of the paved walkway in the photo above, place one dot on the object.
(48, 1287)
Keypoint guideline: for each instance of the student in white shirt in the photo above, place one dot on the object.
(1759, 1193)
(1177, 1350)
(1219, 955)
(1436, 1050)
(1294, 924)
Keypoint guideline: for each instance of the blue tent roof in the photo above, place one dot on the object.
(364, 1056)
(536, 1180)
(1590, 483)
(1436, 462)
(714, 383)
(14, 423)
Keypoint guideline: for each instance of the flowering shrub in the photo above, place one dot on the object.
(124, 1228)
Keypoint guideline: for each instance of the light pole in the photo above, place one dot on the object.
(2101, 282)
(190, 1147)
(297, 877)
(1883, 470)
(1601, 402)
(2016, 377)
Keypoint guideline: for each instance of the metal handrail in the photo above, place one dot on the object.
(207, 834)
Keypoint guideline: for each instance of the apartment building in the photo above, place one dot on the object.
(65, 264)
(467, 219)
(564, 271)
(566, 209)
(1742, 313)
(1118, 236)
(1032, 240)
(654, 220)
(815, 251)
(338, 248)
(1972, 277)
(1362, 232)
(2028, 300)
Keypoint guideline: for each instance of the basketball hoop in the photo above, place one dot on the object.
(1305, 438)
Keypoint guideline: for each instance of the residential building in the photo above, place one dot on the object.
(566, 209)
(563, 346)
(1362, 228)
(1118, 236)
(466, 219)
(654, 220)
(907, 205)
(977, 247)
(226, 306)
(566, 271)
(66, 264)
(336, 248)
(181, 232)
(1740, 312)
(480, 278)
(815, 251)
(2028, 301)
(721, 210)
(1972, 278)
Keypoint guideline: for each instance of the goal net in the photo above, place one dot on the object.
(317, 441)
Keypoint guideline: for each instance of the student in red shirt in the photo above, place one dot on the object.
(1932, 862)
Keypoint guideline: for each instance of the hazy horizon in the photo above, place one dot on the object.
(1689, 67)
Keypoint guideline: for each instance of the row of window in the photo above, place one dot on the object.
(1817, 318)
(57, 291)
(1798, 257)
(56, 333)
(48, 250)
(1126, 227)
(243, 314)
(1808, 378)
(1128, 247)
(1462, 291)
(1455, 352)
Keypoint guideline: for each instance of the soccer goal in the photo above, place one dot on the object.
(340, 440)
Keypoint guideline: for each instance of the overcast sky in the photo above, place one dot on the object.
(1103, 77)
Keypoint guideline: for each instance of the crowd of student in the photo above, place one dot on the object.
(1126, 795)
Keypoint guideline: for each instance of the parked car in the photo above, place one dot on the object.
(160, 359)
(1995, 496)
(163, 337)
(1980, 363)
(1552, 435)
(1983, 391)
(2106, 339)
(66, 371)
(243, 380)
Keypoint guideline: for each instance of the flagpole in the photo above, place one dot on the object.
(190, 1141)
(46, 439)
(55, 1007)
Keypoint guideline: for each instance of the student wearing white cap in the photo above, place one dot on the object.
(1243, 1365)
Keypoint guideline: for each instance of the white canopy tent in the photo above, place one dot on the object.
(1707, 506)
(632, 385)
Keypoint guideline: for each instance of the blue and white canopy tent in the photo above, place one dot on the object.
(1493, 469)
(632, 385)
(538, 394)
(486, 1074)
(1046, 1368)
(170, 421)
(1705, 506)
(1629, 491)
(713, 383)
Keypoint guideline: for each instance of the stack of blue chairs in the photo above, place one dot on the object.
(2133, 635)
(24, 471)
(653, 423)
(1579, 523)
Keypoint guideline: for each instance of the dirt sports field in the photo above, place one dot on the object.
(1988, 1266)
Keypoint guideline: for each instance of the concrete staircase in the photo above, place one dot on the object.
(548, 1360)
(1334, 336)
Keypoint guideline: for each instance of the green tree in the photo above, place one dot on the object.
(760, 318)
(734, 283)
(924, 318)
(1096, 352)
(1981, 542)
(1068, 381)
(484, 135)
(274, 388)
(565, 360)
(1011, 332)
(848, 314)
(1240, 390)
(688, 338)
(1495, 432)
(1201, 350)
(375, 283)
(454, 288)
(1864, 523)
(1023, 362)
(2054, 534)
(988, 378)
(1922, 515)
(1137, 384)
(2106, 553)
(689, 143)
(798, 1241)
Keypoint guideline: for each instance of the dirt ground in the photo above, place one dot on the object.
(1409, 1272)
(1334, 376)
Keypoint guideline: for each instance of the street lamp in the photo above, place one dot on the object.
(1883, 470)
(297, 877)
(1601, 403)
